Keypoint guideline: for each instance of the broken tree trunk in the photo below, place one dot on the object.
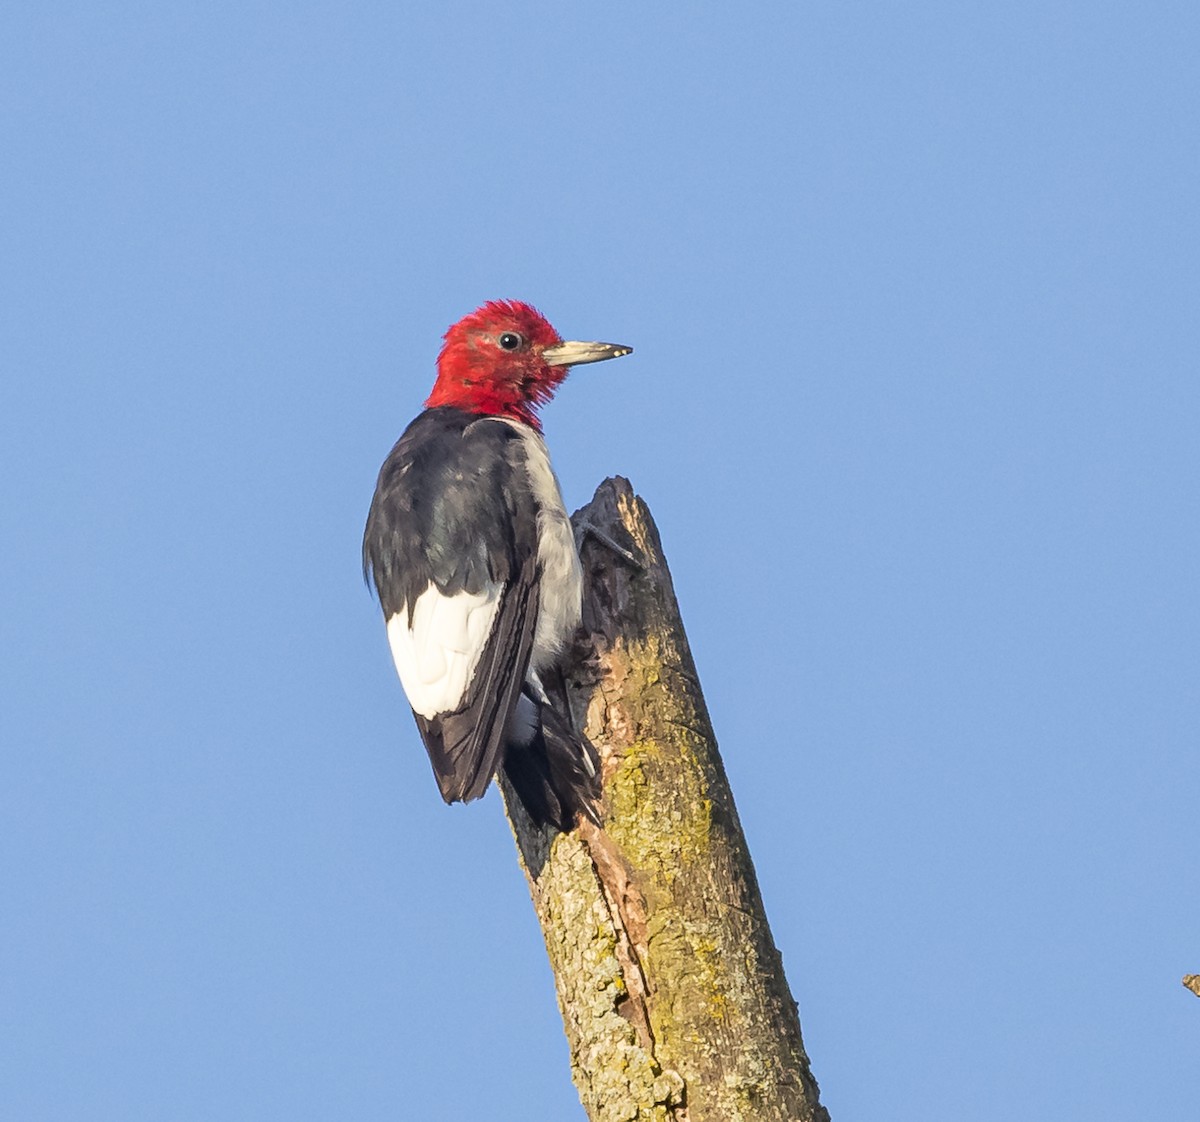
(671, 988)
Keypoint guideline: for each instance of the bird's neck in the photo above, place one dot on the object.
(484, 400)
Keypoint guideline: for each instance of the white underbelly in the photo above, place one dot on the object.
(560, 608)
(560, 605)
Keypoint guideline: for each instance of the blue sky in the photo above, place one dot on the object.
(913, 290)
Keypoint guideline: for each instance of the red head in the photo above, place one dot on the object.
(506, 359)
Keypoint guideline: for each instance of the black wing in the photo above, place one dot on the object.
(452, 510)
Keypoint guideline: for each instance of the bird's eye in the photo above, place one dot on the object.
(510, 341)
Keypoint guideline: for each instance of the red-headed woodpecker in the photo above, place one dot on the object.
(474, 561)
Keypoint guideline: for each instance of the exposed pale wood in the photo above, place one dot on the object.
(671, 988)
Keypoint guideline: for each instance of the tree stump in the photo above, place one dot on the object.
(671, 988)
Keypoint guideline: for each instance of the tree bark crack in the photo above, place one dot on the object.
(627, 910)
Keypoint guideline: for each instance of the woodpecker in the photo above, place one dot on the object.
(474, 562)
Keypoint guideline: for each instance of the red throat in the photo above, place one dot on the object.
(491, 363)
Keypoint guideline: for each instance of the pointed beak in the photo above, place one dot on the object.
(576, 354)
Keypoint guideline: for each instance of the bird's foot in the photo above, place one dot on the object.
(583, 529)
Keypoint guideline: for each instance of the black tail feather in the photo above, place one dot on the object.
(557, 774)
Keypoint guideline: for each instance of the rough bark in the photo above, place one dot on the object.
(671, 988)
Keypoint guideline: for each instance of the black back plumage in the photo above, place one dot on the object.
(452, 508)
(449, 508)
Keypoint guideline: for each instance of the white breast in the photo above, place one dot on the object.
(560, 607)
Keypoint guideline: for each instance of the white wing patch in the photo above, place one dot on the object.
(437, 656)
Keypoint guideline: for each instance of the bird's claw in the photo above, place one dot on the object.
(585, 528)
